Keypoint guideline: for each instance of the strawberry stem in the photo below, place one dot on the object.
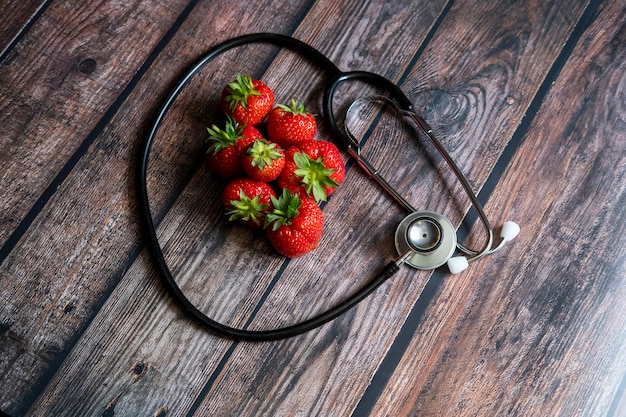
(263, 153)
(247, 209)
(296, 108)
(220, 139)
(239, 91)
(286, 208)
(315, 175)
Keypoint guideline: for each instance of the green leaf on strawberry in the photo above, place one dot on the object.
(313, 168)
(296, 108)
(294, 227)
(227, 145)
(285, 209)
(290, 125)
(240, 90)
(246, 209)
(223, 138)
(316, 177)
(247, 100)
(247, 201)
(263, 160)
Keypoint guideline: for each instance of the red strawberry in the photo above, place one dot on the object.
(294, 226)
(313, 168)
(248, 101)
(263, 160)
(226, 147)
(247, 201)
(290, 125)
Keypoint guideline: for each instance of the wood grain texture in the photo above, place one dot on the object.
(291, 299)
(347, 369)
(17, 16)
(59, 81)
(492, 71)
(527, 342)
(86, 327)
(177, 244)
(50, 278)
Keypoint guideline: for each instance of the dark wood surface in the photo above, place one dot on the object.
(530, 99)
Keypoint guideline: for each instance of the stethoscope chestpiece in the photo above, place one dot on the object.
(428, 236)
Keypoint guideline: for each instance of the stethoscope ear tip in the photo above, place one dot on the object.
(457, 264)
(509, 230)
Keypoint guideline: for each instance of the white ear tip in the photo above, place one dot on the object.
(457, 264)
(509, 230)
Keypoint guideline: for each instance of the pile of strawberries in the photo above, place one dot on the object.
(277, 180)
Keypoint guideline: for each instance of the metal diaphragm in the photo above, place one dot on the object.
(429, 235)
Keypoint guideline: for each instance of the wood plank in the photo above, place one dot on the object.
(618, 407)
(546, 338)
(328, 365)
(15, 18)
(67, 263)
(58, 82)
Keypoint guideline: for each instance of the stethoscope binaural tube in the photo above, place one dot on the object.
(336, 77)
(403, 106)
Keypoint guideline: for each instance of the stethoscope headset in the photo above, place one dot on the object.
(424, 239)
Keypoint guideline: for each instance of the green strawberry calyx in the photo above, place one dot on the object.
(316, 176)
(247, 209)
(239, 91)
(263, 153)
(286, 208)
(296, 108)
(221, 139)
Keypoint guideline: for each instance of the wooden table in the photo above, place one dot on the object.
(530, 99)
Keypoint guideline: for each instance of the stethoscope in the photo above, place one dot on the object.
(424, 239)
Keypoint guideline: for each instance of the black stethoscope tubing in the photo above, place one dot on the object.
(147, 223)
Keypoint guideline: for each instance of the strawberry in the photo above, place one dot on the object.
(290, 125)
(247, 201)
(248, 101)
(263, 160)
(226, 147)
(313, 168)
(294, 226)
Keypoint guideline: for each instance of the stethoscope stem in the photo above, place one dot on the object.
(407, 111)
(375, 175)
(403, 257)
(428, 131)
